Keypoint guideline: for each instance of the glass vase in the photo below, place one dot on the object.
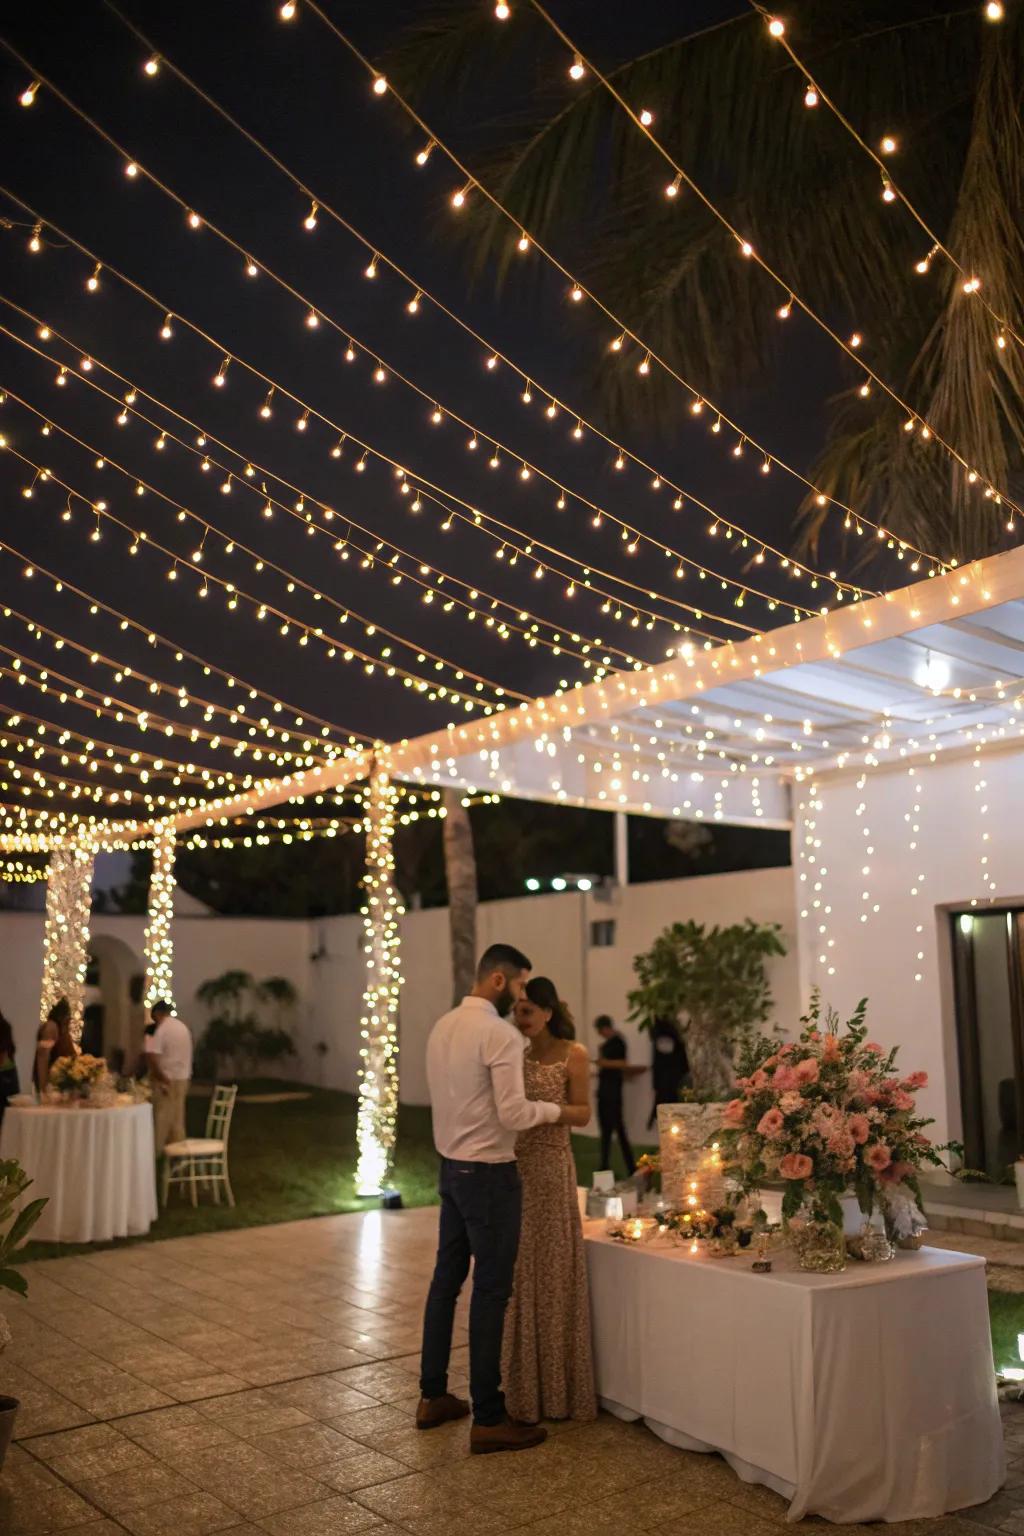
(818, 1242)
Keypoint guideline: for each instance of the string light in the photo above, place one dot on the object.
(151, 67)
(309, 221)
(576, 68)
(159, 945)
(66, 930)
(29, 94)
(378, 1077)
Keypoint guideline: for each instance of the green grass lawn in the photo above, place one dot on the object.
(297, 1159)
(294, 1160)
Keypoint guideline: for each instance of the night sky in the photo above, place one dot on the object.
(303, 95)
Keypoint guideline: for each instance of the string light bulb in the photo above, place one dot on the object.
(577, 69)
(523, 243)
(251, 269)
(776, 27)
(309, 222)
(994, 10)
(288, 10)
(413, 305)
(672, 190)
(131, 170)
(151, 66)
(35, 243)
(502, 12)
(28, 95)
(424, 154)
(166, 330)
(93, 282)
(458, 199)
(371, 270)
(220, 377)
(380, 85)
(646, 117)
(888, 145)
(810, 95)
(194, 221)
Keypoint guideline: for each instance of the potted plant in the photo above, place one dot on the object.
(14, 1229)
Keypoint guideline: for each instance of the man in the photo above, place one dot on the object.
(169, 1063)
(475, 1075)
(613, 1068)
(669, 1064)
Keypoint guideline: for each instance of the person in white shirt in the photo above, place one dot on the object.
(479, 1104)
(169, 1063)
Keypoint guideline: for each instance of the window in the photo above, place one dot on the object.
(602, 933)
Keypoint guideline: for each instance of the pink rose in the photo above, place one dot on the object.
(878, 1156)
(771, 1123)
(759, 1080)
(795, 1166)
(859, 1128)
(734, 1112)
(874, 1048)
(900, 1100)
(916, 1080)
(791, 1103)
(784, 1078)
(806, 1071)
(896, 1173)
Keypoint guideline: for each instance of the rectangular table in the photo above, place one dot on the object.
(867, 1395)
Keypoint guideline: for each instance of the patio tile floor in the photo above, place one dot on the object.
(262, 1383)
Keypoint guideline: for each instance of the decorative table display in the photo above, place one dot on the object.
(829, 1113)
(96, 1166)
(867, 1395)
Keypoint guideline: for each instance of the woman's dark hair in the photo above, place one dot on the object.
(6, 1037)
(60, 1013)
(542, 994)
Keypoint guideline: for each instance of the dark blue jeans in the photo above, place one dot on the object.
(481, 1209)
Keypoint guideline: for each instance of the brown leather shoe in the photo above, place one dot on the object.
(508, 1436)
(433, 1411)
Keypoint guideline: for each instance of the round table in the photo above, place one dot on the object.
(96, 1167)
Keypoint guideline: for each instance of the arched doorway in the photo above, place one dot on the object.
(114, 1016)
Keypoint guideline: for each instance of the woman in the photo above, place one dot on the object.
(53, 1041)
(547, 1365)
(9, 1084)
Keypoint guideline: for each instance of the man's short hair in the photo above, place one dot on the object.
(502, 957)
(161, 1007)
(604, 1021)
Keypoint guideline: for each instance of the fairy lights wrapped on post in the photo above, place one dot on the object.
(378, 1078)
(159, 944)
(66, 936)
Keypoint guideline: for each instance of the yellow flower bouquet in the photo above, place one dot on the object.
(75, 1077)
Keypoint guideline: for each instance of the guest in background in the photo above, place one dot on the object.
(53, 1041)
(613, 1068)
(169, 1062)
(547, 1361)
(669, 1065)
(9, 1084)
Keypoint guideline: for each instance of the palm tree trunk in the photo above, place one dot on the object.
(460, 871)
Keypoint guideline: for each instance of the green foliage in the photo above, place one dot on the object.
(713, 981)
(14, 1228)
(236, 1038)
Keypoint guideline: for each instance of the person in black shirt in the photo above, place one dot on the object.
(612, 1069)
(9, 1084)
(669, 1065)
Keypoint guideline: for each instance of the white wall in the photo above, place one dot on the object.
(899, 955)
(324, 960)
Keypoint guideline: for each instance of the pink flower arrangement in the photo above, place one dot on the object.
(827, 1114)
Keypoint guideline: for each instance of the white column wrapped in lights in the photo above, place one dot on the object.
(159, 944)
(378, 1077)
(66, 935)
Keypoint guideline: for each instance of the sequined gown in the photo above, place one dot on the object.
(547, 1361)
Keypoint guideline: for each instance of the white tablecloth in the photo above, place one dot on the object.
(868, 1395)
(96, 1166)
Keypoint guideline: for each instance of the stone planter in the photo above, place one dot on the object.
(8, 1413)
(685, 1133)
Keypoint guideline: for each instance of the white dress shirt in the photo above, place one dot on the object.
(475, 1075)
(172, 1042)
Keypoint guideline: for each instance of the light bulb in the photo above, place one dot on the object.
(151, 67)
(414, 303)
(672, 190)
(577, 68)
(288, 10)
(35, 243)
(502, 11)
(1001, 341)
(810, 96)
(620, 462)
(131, 170)
(646, 118)
(922, 265)
(44, 333)
(888, 145)
(94, 281)
(424, 154)
(746, 248)
(785, 310)
(312, 320)
(616, 345)
(576, 293)
(972, 285)
(994, 10)
(492, 361)
(380, 85)
(165, 330)
(251, 268)
(888, 191)
(371, 270)
(309, 221)
(194, 221)
(350, 353)
(523, 243)
(28, 95)
(864, 390)
(776, 27)
(86, 365)
(437, 416)
(645, 365)
(379, 375)
(856, 339)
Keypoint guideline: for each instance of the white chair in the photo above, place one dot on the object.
(204, 1159)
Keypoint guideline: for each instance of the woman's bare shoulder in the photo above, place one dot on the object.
(577, 1052)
